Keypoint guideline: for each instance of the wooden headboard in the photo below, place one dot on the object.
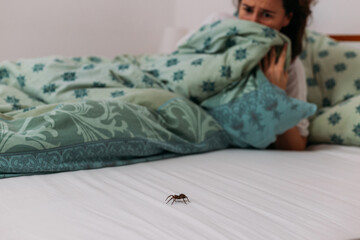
(345, 38)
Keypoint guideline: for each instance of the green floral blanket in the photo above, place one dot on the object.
(71, 113)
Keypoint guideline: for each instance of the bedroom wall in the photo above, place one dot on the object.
(334, 16)
(32, 28)
(191, 13)
(337, 17)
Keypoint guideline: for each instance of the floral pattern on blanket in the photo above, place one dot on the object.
(101, 132)
(70, 113)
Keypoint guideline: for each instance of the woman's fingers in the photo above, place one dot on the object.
(273, 67)
(272, 61)
(273, 56)
(264, 63)
(267, 61)
(282, 57)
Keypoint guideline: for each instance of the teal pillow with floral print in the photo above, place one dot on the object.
(258, 114)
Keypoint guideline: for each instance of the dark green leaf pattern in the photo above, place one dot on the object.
(179, 75)
(269, 32)
(334, 119)
(38, 67)
(50, 88)
(356, 130)
(241, 54)
(69, 76)
(336, 139)
(208, 86)
(330, 84)
(80, 93)
(21, 80)
(226, 71)
(3, 73)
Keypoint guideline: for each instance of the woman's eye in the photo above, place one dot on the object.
(267, 15)
(247, 9)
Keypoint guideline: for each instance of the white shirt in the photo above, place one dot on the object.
(296, 86)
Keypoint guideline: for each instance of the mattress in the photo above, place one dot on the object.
(233, 193)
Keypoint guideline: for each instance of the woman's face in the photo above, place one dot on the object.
(270, 13)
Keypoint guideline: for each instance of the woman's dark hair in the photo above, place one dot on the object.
(296, 28)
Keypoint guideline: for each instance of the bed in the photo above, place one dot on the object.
(233, 194)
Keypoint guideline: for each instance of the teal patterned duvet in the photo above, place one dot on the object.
(71, 113)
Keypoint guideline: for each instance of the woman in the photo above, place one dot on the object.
(290, 18)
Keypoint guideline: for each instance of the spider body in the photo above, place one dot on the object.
(177, 197)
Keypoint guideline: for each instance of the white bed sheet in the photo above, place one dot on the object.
(234, 194)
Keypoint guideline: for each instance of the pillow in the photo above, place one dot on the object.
(101, 133)
(339, 124)
(256, 116)
(333, 78)
(332, 70)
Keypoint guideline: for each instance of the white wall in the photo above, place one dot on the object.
(336, 16)
(191, 13)
(32, 28)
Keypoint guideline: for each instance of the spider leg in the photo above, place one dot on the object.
(173, 201)
(187, 199)
(184, 200)
(169, 196)
(170, 200)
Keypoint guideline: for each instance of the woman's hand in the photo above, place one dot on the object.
(273, 68)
